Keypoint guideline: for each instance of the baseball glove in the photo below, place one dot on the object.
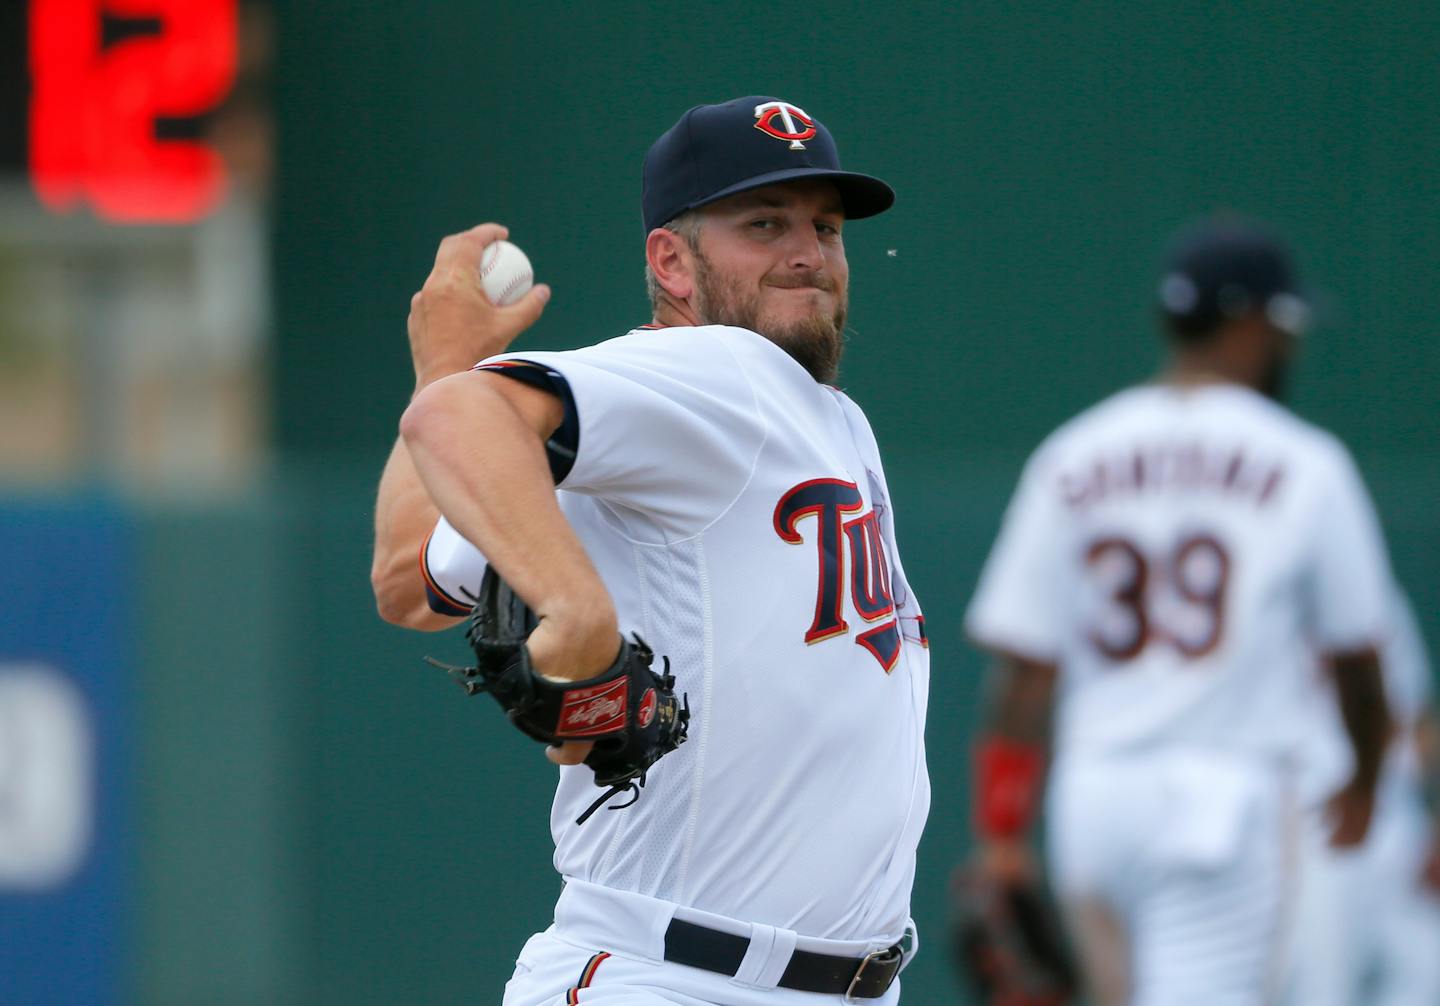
(630, 713)
(1007, 943)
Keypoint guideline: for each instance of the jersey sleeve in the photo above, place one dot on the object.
(1019, 606)
(452, 568)
(1351, 582)
(560, 447)
(666, 425)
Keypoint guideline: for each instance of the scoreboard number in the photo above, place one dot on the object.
(94, 107)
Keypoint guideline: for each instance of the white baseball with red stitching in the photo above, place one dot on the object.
(505, 273)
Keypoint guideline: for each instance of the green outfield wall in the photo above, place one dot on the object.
(330, 821)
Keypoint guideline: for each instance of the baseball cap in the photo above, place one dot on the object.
(1227, 267)
(715, 151)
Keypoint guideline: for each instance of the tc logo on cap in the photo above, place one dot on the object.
(794, 125)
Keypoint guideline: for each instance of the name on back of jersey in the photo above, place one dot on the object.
(1184, 466)
(1169, 586)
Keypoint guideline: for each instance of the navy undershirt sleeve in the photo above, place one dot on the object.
(564, 443)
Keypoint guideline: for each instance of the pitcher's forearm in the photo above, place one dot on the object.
(404, 516)
(477, 443)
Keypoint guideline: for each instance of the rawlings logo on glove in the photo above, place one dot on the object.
(591, 712)
(630, 713)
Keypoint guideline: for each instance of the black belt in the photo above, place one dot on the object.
(865, 977)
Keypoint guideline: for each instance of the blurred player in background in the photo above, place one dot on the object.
(720, 498)
(1367, 925)
(1171, 561)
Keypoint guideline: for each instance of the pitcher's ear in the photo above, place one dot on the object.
(672, 261)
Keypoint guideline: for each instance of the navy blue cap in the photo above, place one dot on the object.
(1229, 266)
(715, 151)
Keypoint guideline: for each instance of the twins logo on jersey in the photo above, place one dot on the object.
(830, 502)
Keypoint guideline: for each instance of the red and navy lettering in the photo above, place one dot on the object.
(829, 501)
(870, 580)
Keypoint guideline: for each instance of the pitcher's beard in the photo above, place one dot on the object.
(816, 341)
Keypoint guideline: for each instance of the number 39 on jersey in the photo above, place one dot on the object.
(1171, 597)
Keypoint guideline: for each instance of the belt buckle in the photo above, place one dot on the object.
(865, 962)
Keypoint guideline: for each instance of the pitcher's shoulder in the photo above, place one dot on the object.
(676, 348)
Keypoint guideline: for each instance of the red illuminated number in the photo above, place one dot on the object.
(93, 110)
(1189, 615)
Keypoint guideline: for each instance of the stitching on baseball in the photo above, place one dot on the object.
(508, 288)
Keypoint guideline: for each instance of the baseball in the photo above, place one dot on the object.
(505, 273)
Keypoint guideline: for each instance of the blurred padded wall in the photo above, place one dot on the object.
(1042, 154)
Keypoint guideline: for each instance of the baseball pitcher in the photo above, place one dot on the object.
(698, 491)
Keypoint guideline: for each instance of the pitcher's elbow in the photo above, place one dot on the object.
(397, 591)
(427, 411)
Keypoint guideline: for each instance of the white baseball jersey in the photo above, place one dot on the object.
(1181, 553)
(737, 512)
